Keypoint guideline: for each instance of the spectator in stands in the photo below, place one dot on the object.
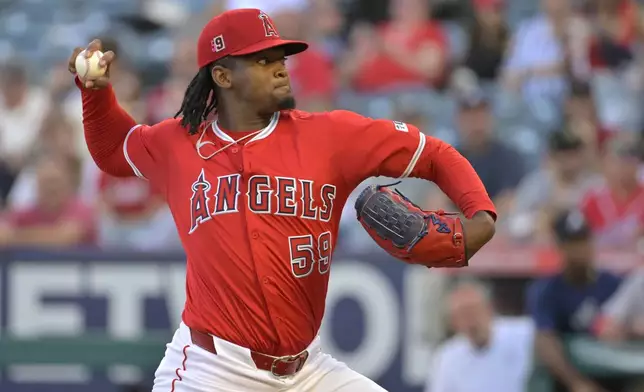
(22, 110)
(618, 27)
(327, 24)
(539, 57)
(568, 303)
(500, 167)
(622, 317)
(488, 40)
(613, 54)
(54, 138)
(409, 51)
(134, 216)
(58, 219)
(581, 117)
(164, 99)
(615, 210)
(128, 89)
(497, 350)
(312, 75)
(558, 186)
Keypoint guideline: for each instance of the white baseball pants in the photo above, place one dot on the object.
(189, 368)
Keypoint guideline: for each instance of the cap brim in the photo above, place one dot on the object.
(290, 47)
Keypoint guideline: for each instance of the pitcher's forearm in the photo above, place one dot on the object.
(106, 126)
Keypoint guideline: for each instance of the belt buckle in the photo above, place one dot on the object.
(302, 357)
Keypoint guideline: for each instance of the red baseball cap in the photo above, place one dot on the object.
(239, 32)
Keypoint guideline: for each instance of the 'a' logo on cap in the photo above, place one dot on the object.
(269, 29)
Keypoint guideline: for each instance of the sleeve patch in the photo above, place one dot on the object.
(401, 126)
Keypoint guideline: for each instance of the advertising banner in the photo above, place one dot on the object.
(375, 318)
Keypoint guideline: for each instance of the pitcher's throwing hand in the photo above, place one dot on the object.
(105, 62)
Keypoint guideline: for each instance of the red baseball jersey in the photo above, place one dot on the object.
(259, 220)
(615, 222)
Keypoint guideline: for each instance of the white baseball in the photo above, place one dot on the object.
(88, 68)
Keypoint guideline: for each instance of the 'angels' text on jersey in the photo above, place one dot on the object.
(285, 196)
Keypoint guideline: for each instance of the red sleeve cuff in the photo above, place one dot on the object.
(490, 211)
(103, 91)
(78, 83)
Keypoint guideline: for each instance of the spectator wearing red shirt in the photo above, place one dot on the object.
(134, 216)
(313, 79)
(618, 28)
(58, 219)
(615, 210)
(408, 51)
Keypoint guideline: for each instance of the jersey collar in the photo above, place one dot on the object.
(261, 135)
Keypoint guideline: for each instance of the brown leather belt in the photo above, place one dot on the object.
(279, 366)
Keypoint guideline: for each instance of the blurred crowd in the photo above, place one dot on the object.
(542, 98)
(582, 307)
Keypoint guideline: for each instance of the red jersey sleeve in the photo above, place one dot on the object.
(374, 147)
(118, 145)
(143, 148)
(369, 148)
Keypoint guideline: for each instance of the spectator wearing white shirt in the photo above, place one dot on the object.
(541, 53)
(22, 110)
(487, 353)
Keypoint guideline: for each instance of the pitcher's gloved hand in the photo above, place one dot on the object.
(430, 238)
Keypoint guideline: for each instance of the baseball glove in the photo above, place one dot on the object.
(429, 238)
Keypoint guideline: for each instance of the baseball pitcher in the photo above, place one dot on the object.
(256, 197)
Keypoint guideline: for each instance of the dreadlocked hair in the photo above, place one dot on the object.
(198, 102)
